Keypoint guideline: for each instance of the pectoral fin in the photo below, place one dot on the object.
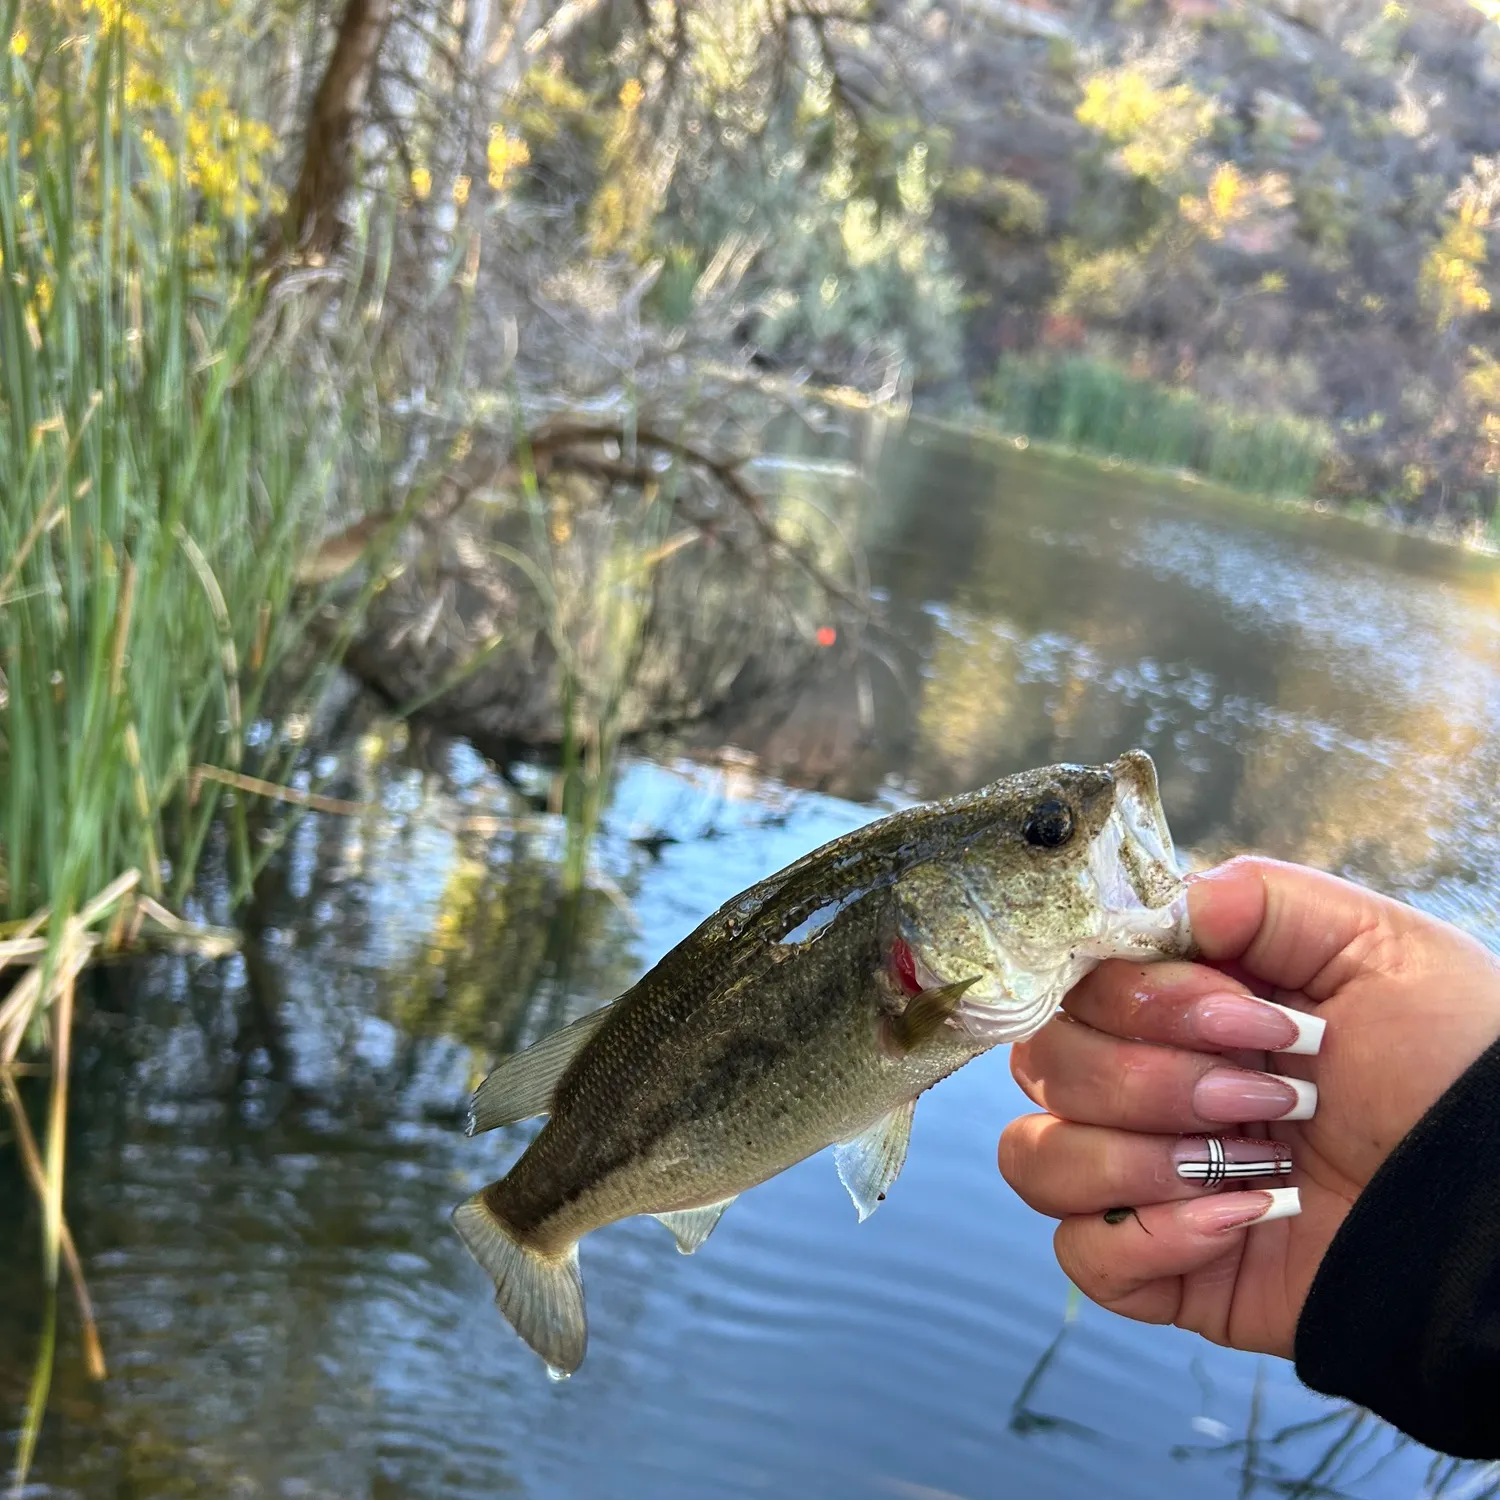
(926, 1014)
(523, 1085)
(691, 1226)
(872, 1161)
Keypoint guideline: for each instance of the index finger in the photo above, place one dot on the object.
(1290, 926)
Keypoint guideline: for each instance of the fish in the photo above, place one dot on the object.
(813, 1010)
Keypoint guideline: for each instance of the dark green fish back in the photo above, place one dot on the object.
(730, 943)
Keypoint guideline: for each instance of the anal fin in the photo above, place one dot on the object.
(925, 1015)
(691, 1226)
(523, 1085)
(870, 1162)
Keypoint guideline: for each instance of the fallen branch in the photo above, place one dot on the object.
(32, 1160)
(557, 444)
(140, 922)
(258, 788)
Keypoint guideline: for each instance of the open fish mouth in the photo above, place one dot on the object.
(1133, 867)
(1130, 878)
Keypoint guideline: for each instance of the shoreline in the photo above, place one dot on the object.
(1367, 516)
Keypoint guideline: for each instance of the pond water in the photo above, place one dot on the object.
(264, 1160)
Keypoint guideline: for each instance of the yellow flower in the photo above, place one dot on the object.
(1225, 189)
(631, 94)
(19, 41)
(503, 153)
(143, 90)
(421, 183)
(158, 154)
(461, 190)
(110, 12)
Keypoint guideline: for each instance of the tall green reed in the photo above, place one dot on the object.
(164, 464)
(157, 487)
(1097, 406)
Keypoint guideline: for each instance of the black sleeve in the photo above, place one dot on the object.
(1404, 1313)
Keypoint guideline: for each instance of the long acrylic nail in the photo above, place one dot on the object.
(1229, 1020)
(1214, 1159)
(1239, 1210)
(1230, 1095)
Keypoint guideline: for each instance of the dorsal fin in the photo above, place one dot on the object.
(523, 1085)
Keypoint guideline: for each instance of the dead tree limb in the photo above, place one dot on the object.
(314, 224)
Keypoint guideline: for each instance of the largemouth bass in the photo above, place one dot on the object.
(812, 1011)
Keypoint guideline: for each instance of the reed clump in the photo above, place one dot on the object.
(163, 467)
(1099, 407)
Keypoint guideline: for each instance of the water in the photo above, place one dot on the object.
(264, 1159)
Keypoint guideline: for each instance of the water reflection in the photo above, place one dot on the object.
(267, 1148)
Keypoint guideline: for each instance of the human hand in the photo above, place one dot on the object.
(1147, 1061)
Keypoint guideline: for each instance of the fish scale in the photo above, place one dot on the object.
(749, 1047)
(718, 1107)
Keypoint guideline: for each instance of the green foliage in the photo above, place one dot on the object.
(1013, 207)
(671, 298)
(160, 475)
(1104, 284)
(1327, 216)
(844, 275)
(1098, 406)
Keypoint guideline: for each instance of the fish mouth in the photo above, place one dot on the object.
(1131, 874)
(1128, 877)
(1133, 868)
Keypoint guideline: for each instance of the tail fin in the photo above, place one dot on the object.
(540, 1295)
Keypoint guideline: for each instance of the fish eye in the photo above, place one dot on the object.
(1049, 825)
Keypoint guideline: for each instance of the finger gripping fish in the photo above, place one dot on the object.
(811, 1011)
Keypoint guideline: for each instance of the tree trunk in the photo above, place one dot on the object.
(313, 223)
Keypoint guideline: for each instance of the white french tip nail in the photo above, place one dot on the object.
(1310, 1030)
(1286, 1203)
(1307, 1099)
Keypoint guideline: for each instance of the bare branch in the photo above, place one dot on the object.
(313, 223)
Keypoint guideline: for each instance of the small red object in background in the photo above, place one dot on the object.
(904, 967)
(827, 635)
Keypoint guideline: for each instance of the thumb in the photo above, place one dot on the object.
(1292, 927)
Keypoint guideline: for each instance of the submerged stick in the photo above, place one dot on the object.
(258, 788)
(31, 1159)
(36, 1397)
(57, 1114)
